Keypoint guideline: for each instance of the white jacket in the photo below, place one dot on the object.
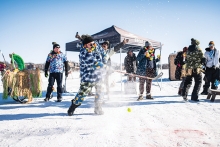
(212, 61)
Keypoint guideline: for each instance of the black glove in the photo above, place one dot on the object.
(214, 67)
(66, 73)
(46, 73)
(203, 61)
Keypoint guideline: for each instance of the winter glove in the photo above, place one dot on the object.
(98, 65)
(203, 61)
(66, 73)
(216, 83)
(46, 73)
(147, 54)
(214, 67)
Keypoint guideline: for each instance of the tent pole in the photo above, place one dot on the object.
(160, 64)
(65, 79)
(121, 69)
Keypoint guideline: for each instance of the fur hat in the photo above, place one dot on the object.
(211, 42)
(195, 42)
(55, 45)
(148, 43)
(86, 39)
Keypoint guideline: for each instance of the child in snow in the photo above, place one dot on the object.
(56, 61)
(146, 67)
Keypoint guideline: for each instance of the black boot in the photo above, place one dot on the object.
(59, 99)
(180, 92)
(149, 97)
(72, 108)
(46, 99)
(204, 93)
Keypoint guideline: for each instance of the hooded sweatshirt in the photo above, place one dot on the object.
(212, 57)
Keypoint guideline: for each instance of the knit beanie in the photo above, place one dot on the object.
(55, 45)
(194, 42)
(148, 43)
(87, 39)
(211, 42)
(106, 42)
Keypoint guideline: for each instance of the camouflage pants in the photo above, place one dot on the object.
(85, 88)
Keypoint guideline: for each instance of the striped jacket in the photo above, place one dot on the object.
(87, 61)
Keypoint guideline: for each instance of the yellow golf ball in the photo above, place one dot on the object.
(129, 109)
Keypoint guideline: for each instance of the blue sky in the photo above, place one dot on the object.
(28, 27)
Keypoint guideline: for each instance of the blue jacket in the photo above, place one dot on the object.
(87, 61)
(56, 62)
(144, 63)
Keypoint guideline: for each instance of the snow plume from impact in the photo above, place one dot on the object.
(166, 121)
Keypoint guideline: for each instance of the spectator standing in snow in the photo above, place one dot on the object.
(211, 66)
(194, 61)
(146, 67)
(179, 61)
(109, 52)
(130, 63)
(55, 62)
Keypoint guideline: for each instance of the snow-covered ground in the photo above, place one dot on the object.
(165, 121)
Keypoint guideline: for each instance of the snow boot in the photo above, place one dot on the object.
(180, 92)
(98, 108)
(149, 97)
(204, 93)
(72, 108)
(185, 98)
(46, 99)
(59, 99)
(140, 97)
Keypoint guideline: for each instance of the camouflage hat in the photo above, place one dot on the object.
(195, 42)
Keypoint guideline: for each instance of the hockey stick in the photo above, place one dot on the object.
(3, 57)
(144, 77)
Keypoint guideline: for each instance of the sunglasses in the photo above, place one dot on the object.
(57, 47)
(211, 44)
(92, 44)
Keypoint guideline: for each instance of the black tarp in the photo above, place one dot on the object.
(116, 35)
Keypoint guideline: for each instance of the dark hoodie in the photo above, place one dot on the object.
(128, 63)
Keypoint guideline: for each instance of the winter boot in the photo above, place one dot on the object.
(72, 108)
(204, 93)
(46, 99)
(180, 92)
(59, 99)
(98, 108)
(149, 97)
(140, 97)
(185, 98)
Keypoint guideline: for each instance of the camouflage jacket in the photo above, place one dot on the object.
(194, 58)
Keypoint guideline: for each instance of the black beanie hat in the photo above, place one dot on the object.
(87, 39)
(55, 45)
(106, 42)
